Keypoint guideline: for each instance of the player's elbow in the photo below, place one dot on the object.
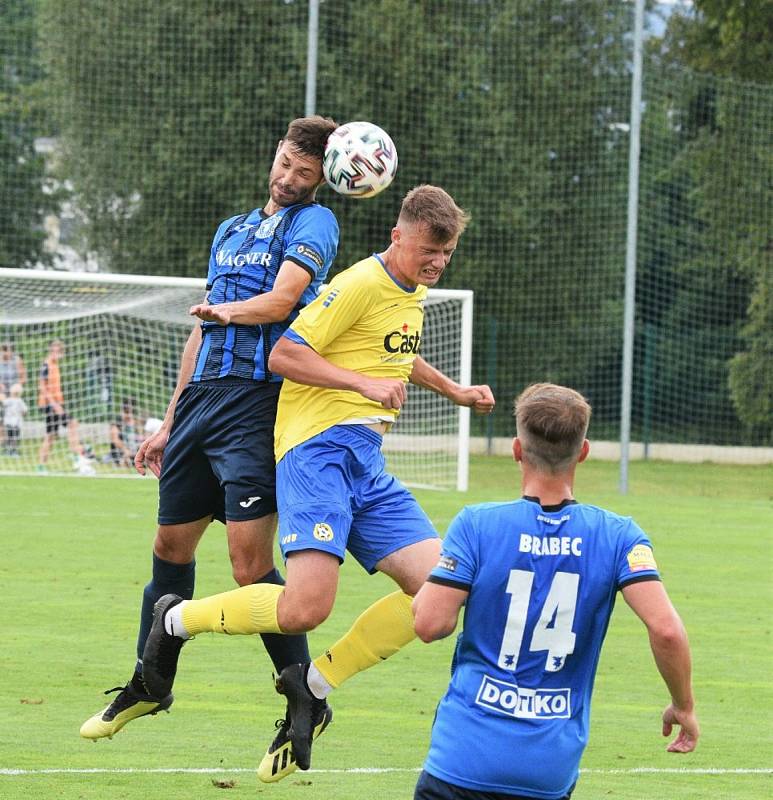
(429, 628)
(280, 311)
(278, 359)
(668, 635)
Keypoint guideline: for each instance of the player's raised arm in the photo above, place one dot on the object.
(668, 640)
(272, 306)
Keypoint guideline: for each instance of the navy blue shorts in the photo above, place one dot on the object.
(335, 495)
(219, 459)
(431, 788)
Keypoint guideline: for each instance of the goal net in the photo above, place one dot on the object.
(121, 339)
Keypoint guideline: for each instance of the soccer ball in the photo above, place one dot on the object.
(360, 160)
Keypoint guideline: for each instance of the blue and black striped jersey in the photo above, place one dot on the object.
(246, 255)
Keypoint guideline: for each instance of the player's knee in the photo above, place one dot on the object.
(247, 572)
(170, 546)
(301, 618)
(251, 564)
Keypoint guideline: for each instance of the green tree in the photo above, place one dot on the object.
(727, 37)
(170, 112)
(24, 202)
(751, 381)
(513, 107)
(170, 115)
(731, 172)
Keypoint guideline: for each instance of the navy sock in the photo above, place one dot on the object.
(282, 649)
(168, 578)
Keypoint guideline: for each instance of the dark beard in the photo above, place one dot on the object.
(294, 199)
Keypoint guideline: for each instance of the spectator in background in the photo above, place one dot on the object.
(14, 409)
(51, 405)
(124, 435)
(99, 386)
(12, 369)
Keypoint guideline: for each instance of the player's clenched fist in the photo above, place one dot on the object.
(390, 392)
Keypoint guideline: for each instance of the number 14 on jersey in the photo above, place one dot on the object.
(553, 631)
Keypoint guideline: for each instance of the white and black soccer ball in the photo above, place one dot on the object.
(360, 160)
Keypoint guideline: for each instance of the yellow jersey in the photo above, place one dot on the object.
(364, 321)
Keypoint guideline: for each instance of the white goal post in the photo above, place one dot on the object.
(123, 336)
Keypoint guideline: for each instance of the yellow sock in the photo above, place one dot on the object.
(249, 609)
(379, 632)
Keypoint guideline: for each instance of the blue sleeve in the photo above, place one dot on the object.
(636, 561)
(458, 562)
(312, 241)
(295, 337)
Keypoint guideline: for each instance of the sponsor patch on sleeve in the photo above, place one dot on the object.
(311, 254)
(641, 558)
(446, 562)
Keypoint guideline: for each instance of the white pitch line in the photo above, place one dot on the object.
(370, 771)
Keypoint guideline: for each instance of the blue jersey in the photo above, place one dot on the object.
(246, 255)
(542, 585)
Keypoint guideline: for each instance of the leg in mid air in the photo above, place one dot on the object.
(251, 550)
(385, 530)
(226, 471)
(303, 603)
(379, 632)
(251, 547)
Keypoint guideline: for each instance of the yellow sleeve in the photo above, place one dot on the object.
(335, 311)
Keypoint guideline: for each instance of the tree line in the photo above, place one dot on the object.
(166, 118)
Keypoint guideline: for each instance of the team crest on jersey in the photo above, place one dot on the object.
(323, 532)
(641, 558)
(268, 226)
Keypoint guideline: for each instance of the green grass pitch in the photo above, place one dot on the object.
(76, 554)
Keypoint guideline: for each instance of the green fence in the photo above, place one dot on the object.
(131, 129)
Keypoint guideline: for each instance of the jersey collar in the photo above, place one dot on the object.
(408, 289)
(563, 504)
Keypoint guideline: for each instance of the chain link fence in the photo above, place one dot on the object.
(127, 131)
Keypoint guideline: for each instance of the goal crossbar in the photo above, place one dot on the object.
(123, 335)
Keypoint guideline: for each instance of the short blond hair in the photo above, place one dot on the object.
(551, 422)
(434, 208)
